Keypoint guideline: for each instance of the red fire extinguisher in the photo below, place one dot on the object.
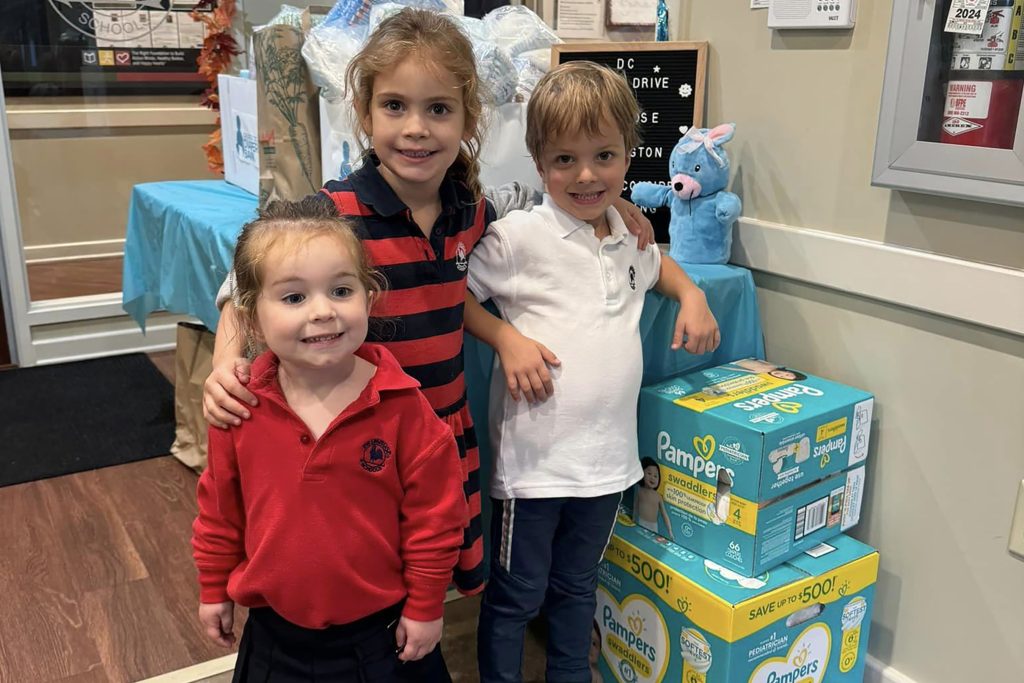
(981, 109)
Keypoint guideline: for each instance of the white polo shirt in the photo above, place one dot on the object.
(550, 277)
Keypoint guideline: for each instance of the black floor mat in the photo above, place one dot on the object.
(73, 417)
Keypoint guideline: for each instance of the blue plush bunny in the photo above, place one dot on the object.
(702, 211)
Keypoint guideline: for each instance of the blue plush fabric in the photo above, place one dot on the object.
(703, 213)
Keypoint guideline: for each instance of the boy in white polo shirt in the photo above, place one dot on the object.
(570, 276)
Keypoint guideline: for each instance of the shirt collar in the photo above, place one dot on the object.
(566, 224)
(388, 377)
(373, 190)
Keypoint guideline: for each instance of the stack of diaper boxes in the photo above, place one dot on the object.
(732, 567)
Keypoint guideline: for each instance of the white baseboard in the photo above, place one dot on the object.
(197, 672)
(78, 328)
(974, 292)
(103, 337)
(69, 251)
(879, 672)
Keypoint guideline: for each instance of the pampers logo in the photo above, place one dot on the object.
(697, 465)
(769, 398)
(634, 638)
(806, 661)
(838, 445)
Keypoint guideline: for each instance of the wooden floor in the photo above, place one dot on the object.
(81, 277)
(97, 582)
(96, 574)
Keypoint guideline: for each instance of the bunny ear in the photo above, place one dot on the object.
(722, 134)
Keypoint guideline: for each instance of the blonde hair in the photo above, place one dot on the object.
(580, 96)
(284, 223)
(438, 43)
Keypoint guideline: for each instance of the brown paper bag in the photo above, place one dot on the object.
(193, 360)
(288, 116)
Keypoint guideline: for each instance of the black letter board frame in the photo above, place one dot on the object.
(657, 72)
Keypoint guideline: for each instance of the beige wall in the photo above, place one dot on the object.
(805, 104)
(947, 451)
(75, 162)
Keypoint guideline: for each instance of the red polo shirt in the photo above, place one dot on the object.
(329, 531)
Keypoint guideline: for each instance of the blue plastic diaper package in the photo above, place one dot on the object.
(666, 614)
(749, 463)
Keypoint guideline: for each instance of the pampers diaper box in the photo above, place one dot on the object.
(749, 464)
(666, 614)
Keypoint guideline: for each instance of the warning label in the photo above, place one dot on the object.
(968, 99)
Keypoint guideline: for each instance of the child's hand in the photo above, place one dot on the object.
(225, 384)
(417, 639)
(218, 620)
(526, 362)
(636, 222)
(696, 324)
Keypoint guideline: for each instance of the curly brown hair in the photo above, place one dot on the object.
(438, 43)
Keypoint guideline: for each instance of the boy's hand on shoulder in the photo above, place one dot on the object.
(636, 222)
(696, 324)
(525, 362)
(417, 639)
(223, 392)
(218, 620)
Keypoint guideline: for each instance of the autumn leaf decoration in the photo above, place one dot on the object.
(219, 48)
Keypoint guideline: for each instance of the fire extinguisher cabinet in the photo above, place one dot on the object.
(951, 119)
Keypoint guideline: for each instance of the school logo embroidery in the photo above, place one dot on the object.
(461, 262)
(632, 278)
(375, 455)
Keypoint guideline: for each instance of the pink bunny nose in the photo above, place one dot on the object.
(685, 187)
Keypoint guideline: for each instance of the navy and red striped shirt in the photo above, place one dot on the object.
(419, 318)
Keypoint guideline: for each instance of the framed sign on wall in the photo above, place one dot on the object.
(668, 80)
(631, 13)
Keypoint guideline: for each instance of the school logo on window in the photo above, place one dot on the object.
(461, 262)
(632, 278)
(375, 455)
(119, 22)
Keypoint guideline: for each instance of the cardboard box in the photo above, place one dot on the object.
(749, 463)
(239, 133)
(665, 614)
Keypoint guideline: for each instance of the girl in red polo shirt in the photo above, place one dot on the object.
(335, 514)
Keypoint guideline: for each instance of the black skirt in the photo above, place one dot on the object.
(274, 650)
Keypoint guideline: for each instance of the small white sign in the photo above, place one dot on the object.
(958, 126)
(759, 4)
(580, 19)
(967, 16)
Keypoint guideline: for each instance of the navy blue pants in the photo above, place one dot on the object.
(274, 650)
(544, 553)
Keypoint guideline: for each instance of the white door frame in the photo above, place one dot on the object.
(100, 325)
(14, 280)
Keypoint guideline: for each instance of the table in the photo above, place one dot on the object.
(179, 246)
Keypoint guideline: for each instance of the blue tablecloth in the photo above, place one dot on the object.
(179, 245)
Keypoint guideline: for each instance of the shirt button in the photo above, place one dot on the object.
(304, 438)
